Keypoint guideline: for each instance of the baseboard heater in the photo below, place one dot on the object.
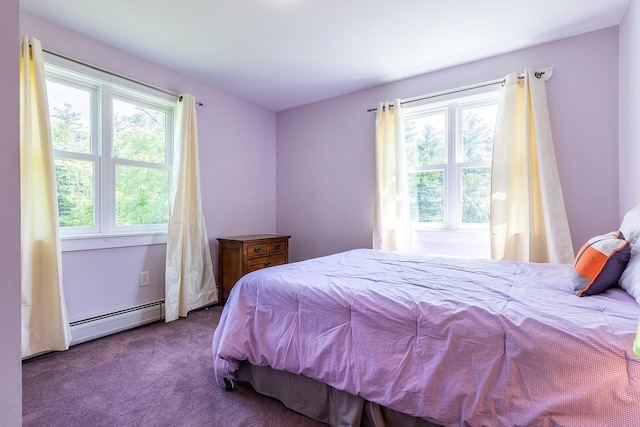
(117, 321)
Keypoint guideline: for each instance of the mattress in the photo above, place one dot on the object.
(450, 340)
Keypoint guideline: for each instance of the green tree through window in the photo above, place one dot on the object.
(449, 148)
(142, 194)
(112, 154)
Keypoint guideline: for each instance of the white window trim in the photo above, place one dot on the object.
(91, 239)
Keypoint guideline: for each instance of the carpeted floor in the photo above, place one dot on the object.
(156, 375)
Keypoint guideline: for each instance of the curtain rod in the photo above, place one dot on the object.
(111, 73)
(547, 73)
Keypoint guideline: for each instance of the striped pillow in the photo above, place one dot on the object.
(600, 263)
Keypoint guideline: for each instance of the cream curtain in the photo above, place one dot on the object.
(45, 326)
(528, 219)
(189, 280)
(391, 217)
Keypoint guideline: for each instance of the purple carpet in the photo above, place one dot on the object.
(156, 375)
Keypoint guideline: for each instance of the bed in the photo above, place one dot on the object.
(424, 340)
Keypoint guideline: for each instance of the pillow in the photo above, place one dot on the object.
(636, 342)
(600, 263)
(630, 226)
(630, 279)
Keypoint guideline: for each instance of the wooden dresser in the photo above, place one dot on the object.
(240, 255)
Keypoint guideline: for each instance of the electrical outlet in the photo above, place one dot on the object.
(144, 278)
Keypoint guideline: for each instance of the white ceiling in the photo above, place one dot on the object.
(284, 53)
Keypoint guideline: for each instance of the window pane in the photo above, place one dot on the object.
(139, 133)
(425, 140)
(476, 195)
(478, 128)
(427, 196)
(74, 183)
(70, 115)
(142, 196)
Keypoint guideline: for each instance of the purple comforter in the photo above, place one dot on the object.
(454, 341)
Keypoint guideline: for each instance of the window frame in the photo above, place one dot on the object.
(452, 106)
(106, 87)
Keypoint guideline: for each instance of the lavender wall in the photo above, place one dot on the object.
(237, 158)
(325, 153)
(630, 108)
(10, 365)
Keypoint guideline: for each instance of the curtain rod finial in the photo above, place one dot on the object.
(198, 103)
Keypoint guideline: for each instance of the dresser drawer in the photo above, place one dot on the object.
(269, 261)
(255, 250)
(278, 247)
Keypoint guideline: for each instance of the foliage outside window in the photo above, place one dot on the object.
(112, 154)
(449, 148)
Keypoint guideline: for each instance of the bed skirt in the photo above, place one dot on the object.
(322, 402)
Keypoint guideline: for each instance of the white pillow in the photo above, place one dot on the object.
(630, 228)
(630, 279)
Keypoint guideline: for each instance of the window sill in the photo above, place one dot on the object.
(465, 243)
(85, 243)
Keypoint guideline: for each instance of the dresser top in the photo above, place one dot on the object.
(254, 237)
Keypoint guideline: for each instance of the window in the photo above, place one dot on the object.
(112, 155)
(449, 147)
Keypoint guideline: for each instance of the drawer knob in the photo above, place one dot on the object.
(258, 249)
(276, 247)
(267, 263)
